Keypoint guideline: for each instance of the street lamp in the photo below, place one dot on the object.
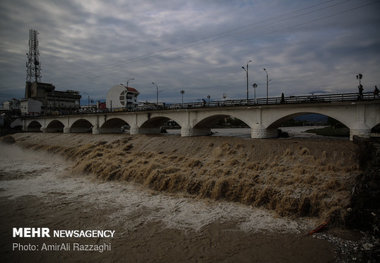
(267, 82)
(182, 92)
(88, 98)
(154, 84)
(254, 85)
(129, 80)
(246, 70)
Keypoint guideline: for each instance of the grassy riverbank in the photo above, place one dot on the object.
(331, 131)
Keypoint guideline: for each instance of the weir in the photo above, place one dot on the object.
(359, 116)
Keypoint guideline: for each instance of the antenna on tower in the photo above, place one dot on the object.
(33, 66)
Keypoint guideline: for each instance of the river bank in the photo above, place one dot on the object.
(187, 215)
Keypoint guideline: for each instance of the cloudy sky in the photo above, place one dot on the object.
(198, 46)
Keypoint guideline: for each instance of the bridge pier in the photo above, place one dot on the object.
(44, 130)
(365, 133)
(110, 130)
(32, 129)
(134, 130)
(95, 130)
(187, 131)
(263, 133)
(66, 130)
(359, 129)
(79, 130)
(149, 130)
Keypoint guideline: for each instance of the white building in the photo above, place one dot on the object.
(13, 104)
(30, 107)
(121, 97)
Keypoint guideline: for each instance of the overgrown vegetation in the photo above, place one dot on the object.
(335, 129)
(331, 131)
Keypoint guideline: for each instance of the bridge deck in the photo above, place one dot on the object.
(304, 99)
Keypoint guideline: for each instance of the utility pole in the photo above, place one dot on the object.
(182, 92)
(88, 98)
(33, 65)
(154, 84)
(246, 70)
(129, 80)
(267, 82)
(254, 85)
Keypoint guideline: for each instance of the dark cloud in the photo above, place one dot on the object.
(198, 46)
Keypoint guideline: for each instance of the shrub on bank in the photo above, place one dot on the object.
(331, 131)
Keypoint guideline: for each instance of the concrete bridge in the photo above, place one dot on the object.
(360, 116)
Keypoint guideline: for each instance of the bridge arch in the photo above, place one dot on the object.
(212, 120)
(203, 123)
(376, 129)
(34, 126)
(114, 125)
(207, 119)
(55, 126)
(81, 126)
(281, 117)
(154, 125)
(277, 123)
(266, 121)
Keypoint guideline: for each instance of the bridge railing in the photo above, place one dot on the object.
(304, 99)
(325, 98)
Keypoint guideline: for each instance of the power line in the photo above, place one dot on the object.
(229, 32)
(297, 25)
(274, 22)
(242, 28)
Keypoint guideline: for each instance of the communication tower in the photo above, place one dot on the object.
(33, 66)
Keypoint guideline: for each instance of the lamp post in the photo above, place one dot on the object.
(182, 92)
(267, 82)
(88, 98)
(129, 80)
(254, 85)
(246, 70)
(154, 84)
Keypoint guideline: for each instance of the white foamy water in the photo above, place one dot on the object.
(294, 132)
(44, 175)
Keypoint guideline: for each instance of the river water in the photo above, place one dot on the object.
(294, 132)
(38, 189)
(25, 173)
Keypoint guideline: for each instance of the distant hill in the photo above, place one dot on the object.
(312, 118)
(306, 119)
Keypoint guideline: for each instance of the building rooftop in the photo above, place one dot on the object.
(132, 90)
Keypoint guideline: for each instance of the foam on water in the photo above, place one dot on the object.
(297, 132)
(133, 205)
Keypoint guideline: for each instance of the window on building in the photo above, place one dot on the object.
(122, 98)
